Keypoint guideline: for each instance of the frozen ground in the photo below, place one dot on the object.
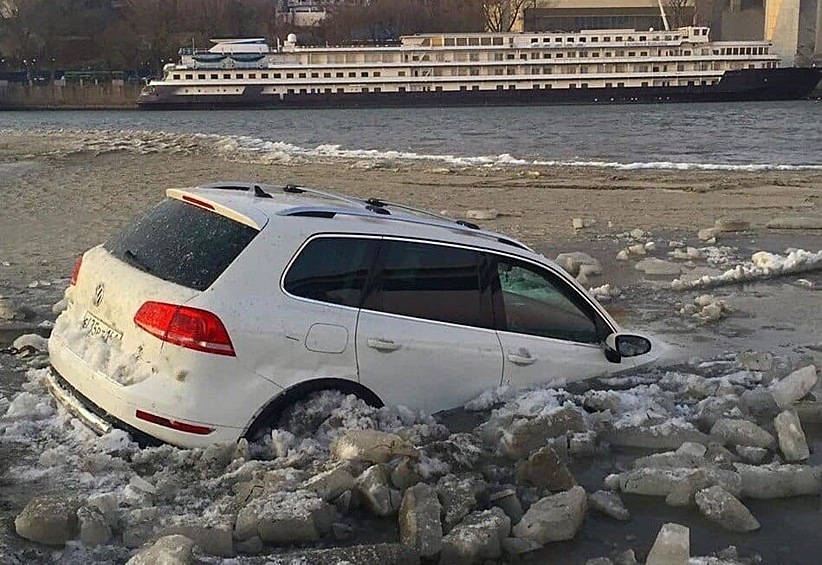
(136, 494)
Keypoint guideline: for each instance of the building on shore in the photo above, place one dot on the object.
(793, 27)
(577, 15)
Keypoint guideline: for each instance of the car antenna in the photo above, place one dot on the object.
(260, 193)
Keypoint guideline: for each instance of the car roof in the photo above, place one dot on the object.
(254, 204)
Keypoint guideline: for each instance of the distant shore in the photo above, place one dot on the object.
(57, 96)
(61, 193)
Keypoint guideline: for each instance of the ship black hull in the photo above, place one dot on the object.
(743, 85)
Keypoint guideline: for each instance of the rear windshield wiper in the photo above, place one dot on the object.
(132, 258)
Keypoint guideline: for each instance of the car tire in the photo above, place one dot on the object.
(284, 405)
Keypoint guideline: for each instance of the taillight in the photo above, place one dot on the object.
(184, 326)
(76, 272)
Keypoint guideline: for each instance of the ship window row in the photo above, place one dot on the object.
(472, 41)
(498, 57)
(254, 76)
(496, 40)
(741, 51)
(476, 87)
(564, 68)
(605, 38)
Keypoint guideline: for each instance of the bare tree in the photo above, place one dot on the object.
(147, 33)
(501, 15)
(704, 11)
(26, 30)
(679, 12)
(384, 20)
(155, 23)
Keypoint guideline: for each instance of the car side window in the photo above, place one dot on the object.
(535, 302)
(332, 269)
(429, 281)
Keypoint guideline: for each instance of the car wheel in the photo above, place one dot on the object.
(303, 409)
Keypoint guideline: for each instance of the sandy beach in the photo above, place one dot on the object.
(63, 192)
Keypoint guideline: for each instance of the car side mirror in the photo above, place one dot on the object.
(618, 346)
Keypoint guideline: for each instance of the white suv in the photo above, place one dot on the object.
(228, 302)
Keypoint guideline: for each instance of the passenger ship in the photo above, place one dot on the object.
(449, 69)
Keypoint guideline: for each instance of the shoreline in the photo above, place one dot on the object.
(63, 192)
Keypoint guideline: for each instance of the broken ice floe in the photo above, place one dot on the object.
(605, 293)
(342, 462)
(705, 308)
(762, 265)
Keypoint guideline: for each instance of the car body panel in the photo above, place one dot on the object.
(426, 364)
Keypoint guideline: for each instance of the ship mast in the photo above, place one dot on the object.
(664, 16)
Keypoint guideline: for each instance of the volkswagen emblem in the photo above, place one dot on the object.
(98, 293)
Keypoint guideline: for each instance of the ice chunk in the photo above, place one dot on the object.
(671, 547)
(722, 508)
(554, 518)
(794, 386)
(792, 440)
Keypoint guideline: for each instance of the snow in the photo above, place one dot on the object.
(761, 266)
(488, 399)
(35, 341)
(106, 357)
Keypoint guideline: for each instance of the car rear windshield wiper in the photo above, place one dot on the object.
(132, 257)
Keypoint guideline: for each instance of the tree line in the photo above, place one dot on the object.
(145, 34)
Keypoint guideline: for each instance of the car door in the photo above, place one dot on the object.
(311, 334)
(550, 332)
(425, 335)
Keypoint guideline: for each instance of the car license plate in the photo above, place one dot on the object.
(95, 327)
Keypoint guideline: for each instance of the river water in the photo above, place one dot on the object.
(733, 136)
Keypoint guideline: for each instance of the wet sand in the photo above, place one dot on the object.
(61, 193)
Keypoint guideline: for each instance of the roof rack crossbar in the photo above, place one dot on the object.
(296, 189)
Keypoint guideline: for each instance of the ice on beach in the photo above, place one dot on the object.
(28, 405)
(488, 399)
(34, 341)
(605, 293)
(161, 486)
(761, 266)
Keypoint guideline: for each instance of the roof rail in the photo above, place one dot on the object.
(378, 205)
(296, 189)
(364, 207)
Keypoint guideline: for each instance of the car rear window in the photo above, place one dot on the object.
(182, 243)
(332, 270)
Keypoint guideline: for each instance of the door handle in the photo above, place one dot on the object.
(522, 357)
(382, 344)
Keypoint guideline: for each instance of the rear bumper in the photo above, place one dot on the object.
(68, 398)
(102, 405)
(89, 413)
